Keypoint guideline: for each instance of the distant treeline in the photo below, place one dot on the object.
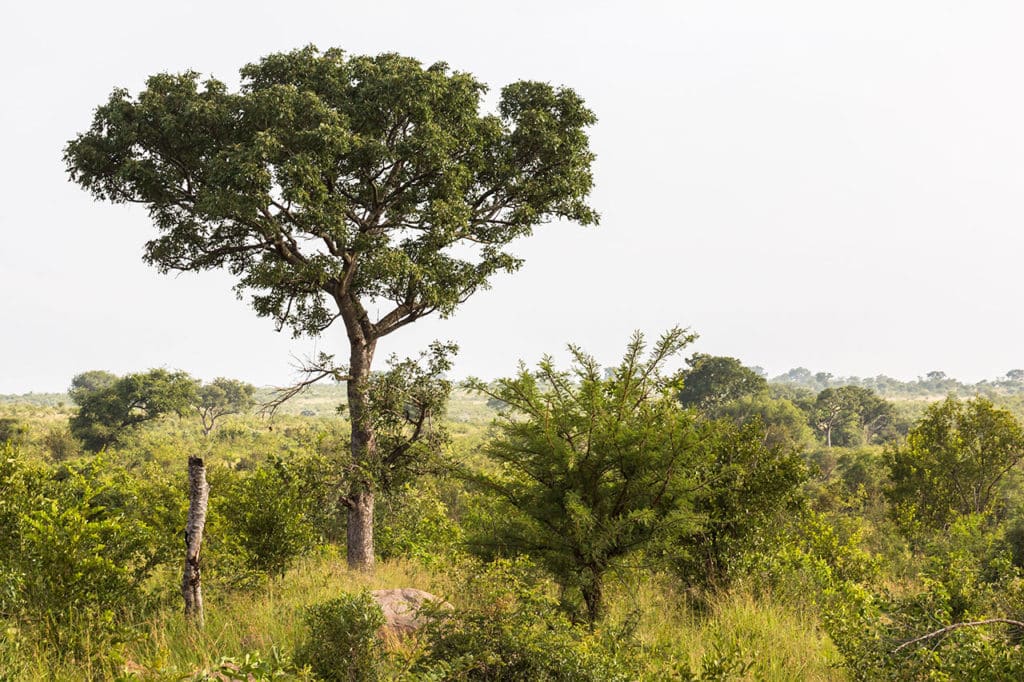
(935, 383)
(932, 384)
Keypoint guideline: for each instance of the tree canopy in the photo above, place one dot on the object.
(107, 408)
(220, 398)
(712, 381)
(849, 415)
(327, 180)
(954, 459)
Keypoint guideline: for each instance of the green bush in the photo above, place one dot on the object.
(61, 445)
(967, 576)
(13, 431)
(12, 497)
(342, 643)
(414, 523)
(268, 516)
(509, 629)
(76, 551)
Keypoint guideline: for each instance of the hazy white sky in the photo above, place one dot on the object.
(833, 185)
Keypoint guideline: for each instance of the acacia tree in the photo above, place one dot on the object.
(875, 415)
(591, 469)
(845, 414)
(220, 398)
(832, 410)
(333, 185)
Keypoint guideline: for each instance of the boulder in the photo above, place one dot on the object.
(401, 609)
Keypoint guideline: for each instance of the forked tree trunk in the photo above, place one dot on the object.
(191, 581)
(360, 500)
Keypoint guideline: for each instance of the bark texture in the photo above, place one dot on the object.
(191, 580)
(593, 594)
(360, 531)
(360, 500)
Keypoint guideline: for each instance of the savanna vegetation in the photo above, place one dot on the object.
(583, 522)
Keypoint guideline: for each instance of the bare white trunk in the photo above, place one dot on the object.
(198, 497)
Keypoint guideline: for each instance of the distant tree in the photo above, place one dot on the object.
(1015, 375)
(799, 376)
(876, 416)
(954, 460)
(831, 410)
(220, 398)
(800, 396)
(712, 381)
(851, 415)
(105, 413)
(333, 186)
(591, 469)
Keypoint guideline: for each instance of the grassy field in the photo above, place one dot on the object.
(775, 641)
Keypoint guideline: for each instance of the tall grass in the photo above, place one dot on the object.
(781, 643)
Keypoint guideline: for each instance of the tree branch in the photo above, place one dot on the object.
(314, 372)
(957, 626)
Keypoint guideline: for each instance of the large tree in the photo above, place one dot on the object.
(592, 469)
(850, 414)
(333, 186)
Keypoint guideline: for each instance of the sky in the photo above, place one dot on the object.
(821, 184)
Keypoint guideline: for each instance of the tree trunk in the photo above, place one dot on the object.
(198, 495)
(593, 594)
(360, 531)
(364, 452)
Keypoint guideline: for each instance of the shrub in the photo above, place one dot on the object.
(13, 431)
(267, 515)
(508, 628)
(61, 445)
(415, 523)
(75, 552)
(968, 576)
(342, 643)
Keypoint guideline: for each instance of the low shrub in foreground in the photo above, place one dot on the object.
(342, 643)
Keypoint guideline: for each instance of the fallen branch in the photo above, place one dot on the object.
(957, 626)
